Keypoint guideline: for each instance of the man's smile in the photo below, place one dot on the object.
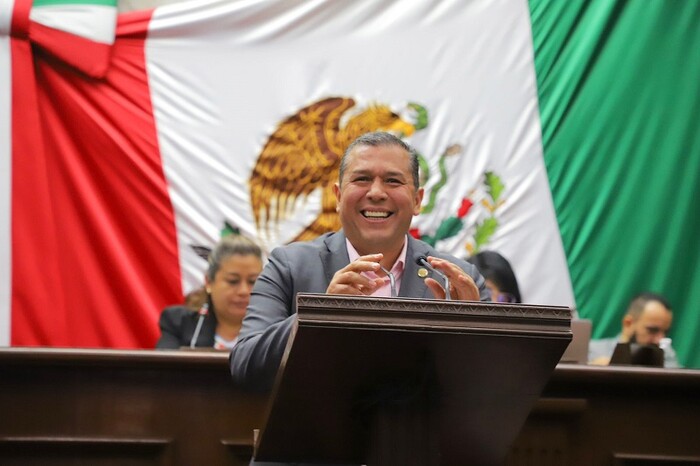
(378, 214)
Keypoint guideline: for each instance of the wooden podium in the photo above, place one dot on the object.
(396, 381)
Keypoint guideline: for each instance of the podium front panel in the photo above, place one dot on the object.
(472, 372)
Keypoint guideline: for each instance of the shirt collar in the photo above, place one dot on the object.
(398, 266)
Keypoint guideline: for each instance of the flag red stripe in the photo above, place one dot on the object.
(99, 182)
(20, 18)
(92, 60)
(36, 287)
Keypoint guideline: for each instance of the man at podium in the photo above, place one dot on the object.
(377, 194)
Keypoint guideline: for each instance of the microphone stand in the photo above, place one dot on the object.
(422, 260)
(203, 311)
(392, 280)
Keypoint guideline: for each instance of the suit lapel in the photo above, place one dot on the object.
(335, 256)
(413, 286)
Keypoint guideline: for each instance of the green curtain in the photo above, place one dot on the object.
(619, 96)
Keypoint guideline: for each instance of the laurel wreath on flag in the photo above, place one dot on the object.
(453, 225)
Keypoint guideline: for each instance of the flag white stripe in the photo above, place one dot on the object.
(5, 182)
(6, 8)
(93, 22)
(468, 63)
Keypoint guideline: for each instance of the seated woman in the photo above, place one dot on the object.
(234, 265)
(499, 276)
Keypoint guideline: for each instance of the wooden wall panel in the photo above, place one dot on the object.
(108, 407)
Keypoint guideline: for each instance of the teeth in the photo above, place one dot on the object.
(373, 214)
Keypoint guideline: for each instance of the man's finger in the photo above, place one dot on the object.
(437, 289)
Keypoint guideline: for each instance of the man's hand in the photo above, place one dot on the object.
(462, 286)
(349, 279)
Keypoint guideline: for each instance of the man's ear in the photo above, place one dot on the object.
(627, 326)
(336, 191)
(418, 200)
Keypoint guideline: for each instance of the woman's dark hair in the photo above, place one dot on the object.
(231, 245)
(496, 268)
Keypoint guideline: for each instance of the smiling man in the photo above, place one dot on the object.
(378, 194)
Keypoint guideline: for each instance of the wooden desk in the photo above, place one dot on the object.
(108, 407)
(631, 416)
(123, 408)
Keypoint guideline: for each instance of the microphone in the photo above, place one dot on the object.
(203, 311)
(422, 260)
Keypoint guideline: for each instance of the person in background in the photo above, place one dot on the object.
(499, 275)
(234, 265)
(646, 322)
(377, 195)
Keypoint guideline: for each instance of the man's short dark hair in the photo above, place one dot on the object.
(381, 139)
(639, 302)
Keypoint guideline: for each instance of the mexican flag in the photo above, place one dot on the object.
(561, 134)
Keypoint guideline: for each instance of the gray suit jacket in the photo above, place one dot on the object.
(308, 267)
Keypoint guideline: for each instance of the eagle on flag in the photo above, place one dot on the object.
(303, 154)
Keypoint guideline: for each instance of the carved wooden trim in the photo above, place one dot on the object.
(30, 446)
(113, 358)
(630, 459)
(437, 315)
(156, 443)
(582, 377)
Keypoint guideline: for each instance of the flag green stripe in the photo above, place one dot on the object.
(620, 110)
(40, 3)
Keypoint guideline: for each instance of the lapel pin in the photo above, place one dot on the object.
(422, 273)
